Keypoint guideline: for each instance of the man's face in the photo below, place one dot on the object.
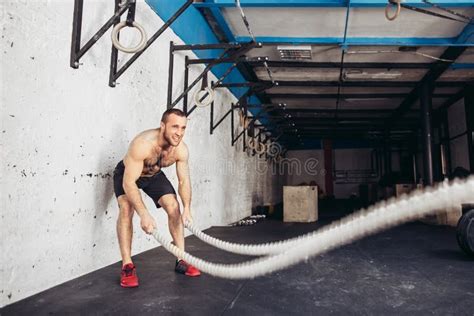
(173, 129)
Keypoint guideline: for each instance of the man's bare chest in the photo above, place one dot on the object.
(154, 164)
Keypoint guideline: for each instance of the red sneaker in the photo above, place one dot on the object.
(128, 277)
(185, 268)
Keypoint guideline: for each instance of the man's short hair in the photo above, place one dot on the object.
(168, 112)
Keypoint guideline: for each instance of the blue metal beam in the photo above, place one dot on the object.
(466, 35)
(457, 66)
(329, 3)
(361, 41)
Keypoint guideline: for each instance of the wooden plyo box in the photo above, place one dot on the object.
(300, 204)
(404, 188)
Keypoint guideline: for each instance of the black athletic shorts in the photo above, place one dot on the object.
(155, 186)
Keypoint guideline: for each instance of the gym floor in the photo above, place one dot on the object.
(415, 268)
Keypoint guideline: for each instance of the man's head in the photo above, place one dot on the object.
(173, 124)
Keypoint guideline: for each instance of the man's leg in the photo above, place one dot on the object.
(125, 228)
(175, 224)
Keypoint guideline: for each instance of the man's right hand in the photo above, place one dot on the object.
(148, 223)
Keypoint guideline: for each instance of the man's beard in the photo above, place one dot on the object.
(170, 140)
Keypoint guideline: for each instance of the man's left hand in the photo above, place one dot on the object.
(186, 216)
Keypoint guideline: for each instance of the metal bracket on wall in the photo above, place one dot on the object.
(121, 6)
(232, 53)
(250, 127)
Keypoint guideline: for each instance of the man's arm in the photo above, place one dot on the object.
(184, 186)
(133, 169)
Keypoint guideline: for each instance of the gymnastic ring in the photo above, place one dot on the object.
(252, 144)
(274, 149)
(130, 50)
(207, 99)
(261, 148)
(387, 8)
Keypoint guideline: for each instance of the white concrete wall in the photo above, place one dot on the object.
(458, 146)
(310, 167)
(64, 130)
(350, 159)
(345, 159)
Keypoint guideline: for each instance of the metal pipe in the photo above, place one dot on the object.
(386, 152)
(468, 108)
(170, 76)
(211, 124)
(232, 123)
(114, 53)
(213, 127)
(210, 60)
(415, 176)
(186, 80)
(76, 33)
(426, 109)
(444, 167)
(207, 46)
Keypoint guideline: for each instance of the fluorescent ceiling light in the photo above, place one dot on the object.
(358, 74)
(365, 99)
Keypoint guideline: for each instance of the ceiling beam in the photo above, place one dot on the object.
(358, 65)
(348, 95)
(383, 84)
(451, 53)
(339, 111)
(324, 3)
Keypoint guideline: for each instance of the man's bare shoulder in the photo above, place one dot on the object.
(149, 135)
(142, 144)
(182, 152)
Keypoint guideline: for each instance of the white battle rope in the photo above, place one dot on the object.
(363, 223)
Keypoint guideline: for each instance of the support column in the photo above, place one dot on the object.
(328, 179)
(446, 149)
(426, 108)
(387, 153)
(469, 110)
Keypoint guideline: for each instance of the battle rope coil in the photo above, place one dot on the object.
(361, 224)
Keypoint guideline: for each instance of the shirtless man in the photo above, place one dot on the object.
(150, 151)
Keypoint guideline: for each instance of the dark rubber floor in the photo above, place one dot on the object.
(413, 269)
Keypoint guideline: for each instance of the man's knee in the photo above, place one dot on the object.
(172, 208)
(125, 209)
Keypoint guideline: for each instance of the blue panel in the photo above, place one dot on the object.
(461, 66)
(222, 23)
(192, 28)
(330, 3)
(360, 41)
(466, 35)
